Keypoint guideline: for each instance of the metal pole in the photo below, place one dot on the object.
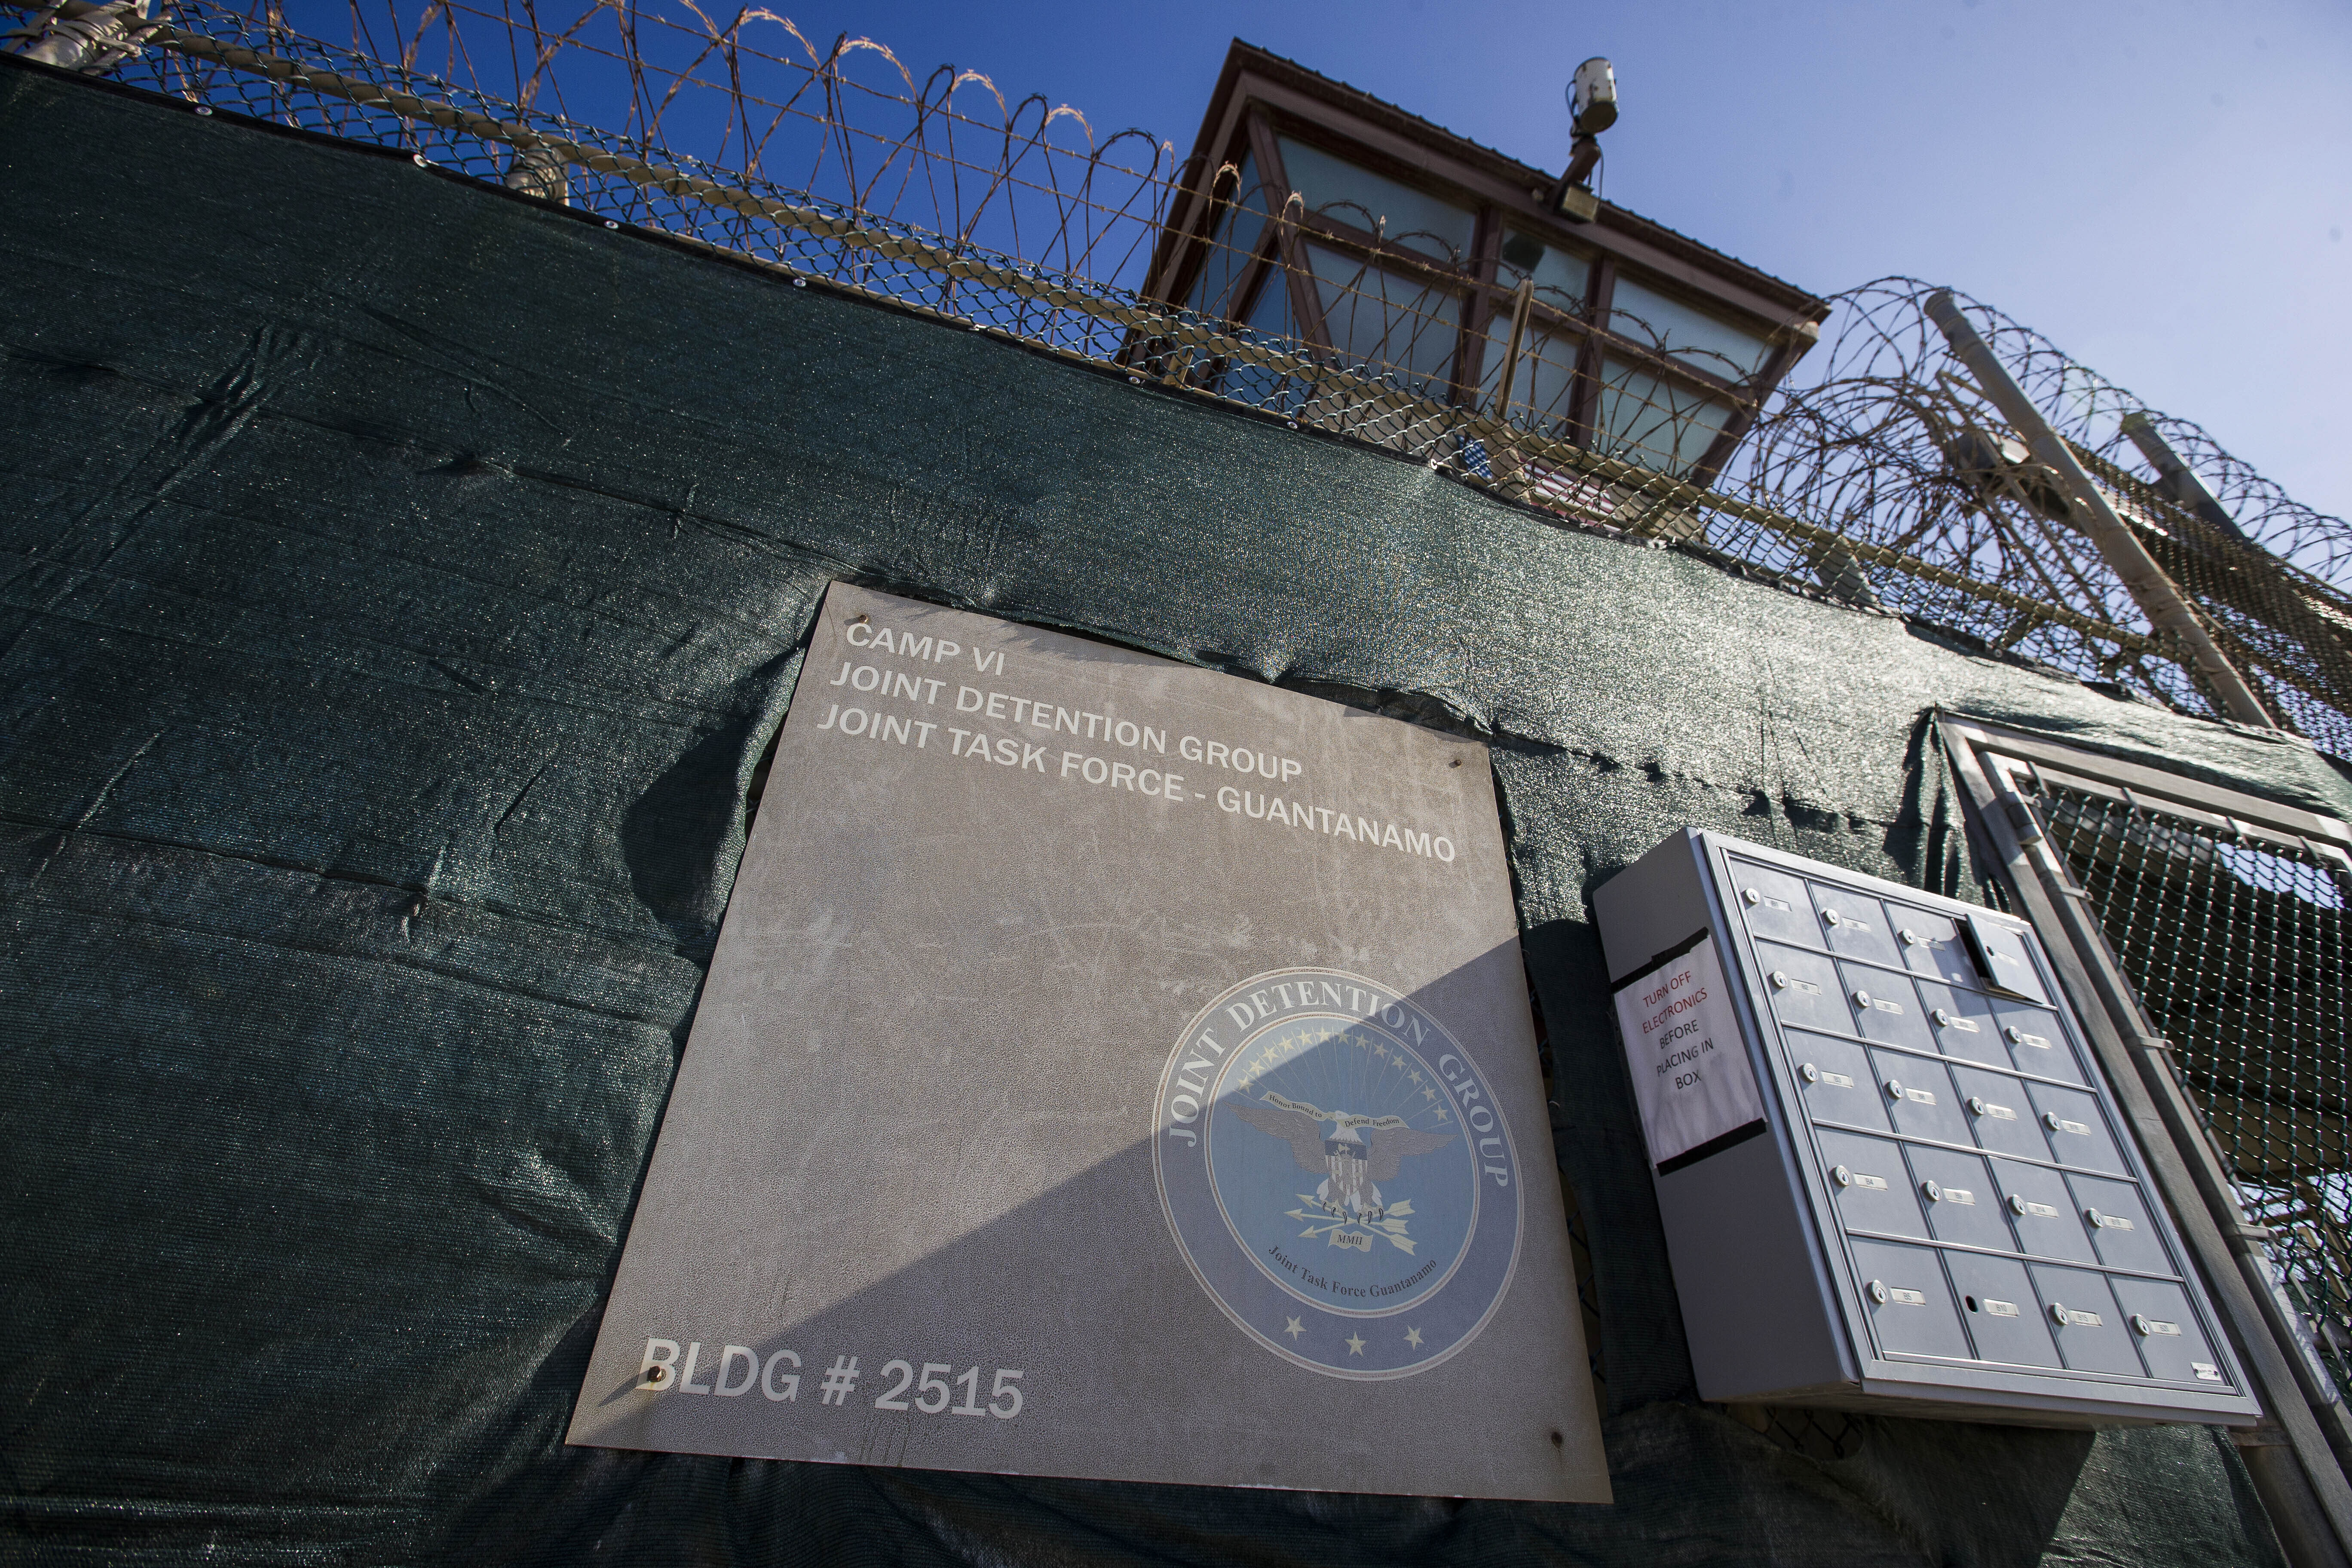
(2159, 597)
(540, 171)
(2178, 481)
(2284, 605)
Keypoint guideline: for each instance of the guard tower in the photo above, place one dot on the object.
(1314, 215)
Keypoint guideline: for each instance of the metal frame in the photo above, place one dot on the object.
(1726, 1323)
(2298, 1454)
(1893, 1371)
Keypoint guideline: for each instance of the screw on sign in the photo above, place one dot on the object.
(739, 1370)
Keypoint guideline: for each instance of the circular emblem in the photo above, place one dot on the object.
(1335, 1170)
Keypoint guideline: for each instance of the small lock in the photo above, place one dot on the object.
(1840, 1175)
(1780, 979)
(1976, 1105)
(2094, 1217)
(2057, 1314)
(1752, 896)
(1941, 1016)
(2016, 1036)
(1830, 917)
(2139, 1325)
(1933, 1193)
(1878, 1291)
(2017, 1205)
(2051, 1120)
(1911, 938)
(1861, 998)
(1894, 1088)
(1810, 1073)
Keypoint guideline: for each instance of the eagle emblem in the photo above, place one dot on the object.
(1346, 1207)
(1336, 1171)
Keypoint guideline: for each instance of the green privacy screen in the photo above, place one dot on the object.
(402, 585)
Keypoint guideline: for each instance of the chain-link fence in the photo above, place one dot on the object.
(2234, 939)
(1877, 475)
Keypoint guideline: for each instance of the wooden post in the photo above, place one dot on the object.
(1521, 298)
(2159, 597)
(1503, 461)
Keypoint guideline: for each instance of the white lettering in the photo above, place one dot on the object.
(728, 1358)
(685, 1374)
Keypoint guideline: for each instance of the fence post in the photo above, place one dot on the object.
(2159, 597)
(2179, 481)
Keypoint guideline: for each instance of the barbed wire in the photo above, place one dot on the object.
(1884, 435)
(1880, 334)
(1878, 475)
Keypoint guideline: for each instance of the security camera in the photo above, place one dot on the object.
(1592, 100)
(1593, 97)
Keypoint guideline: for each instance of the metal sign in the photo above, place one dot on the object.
(1111, 1068)
(1687, 1055)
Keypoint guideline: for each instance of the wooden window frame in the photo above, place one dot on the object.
(1260, 98)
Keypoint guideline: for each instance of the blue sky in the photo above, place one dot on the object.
(2162, 189)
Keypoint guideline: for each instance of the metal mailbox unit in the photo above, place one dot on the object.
(1891, 1174)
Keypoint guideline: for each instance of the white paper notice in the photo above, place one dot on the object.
(1682, 1041)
